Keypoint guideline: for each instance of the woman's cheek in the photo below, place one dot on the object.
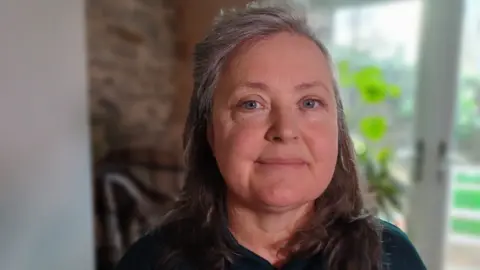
(321, 115)
(323, 126)
(249, 118)
(249, 130)
(241, 128)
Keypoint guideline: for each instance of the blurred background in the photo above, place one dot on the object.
(93, 97)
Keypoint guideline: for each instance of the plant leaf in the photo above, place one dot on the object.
(373, 127)
(371, 84)
(384, 155)
(373, 92)
(368, 74)
(394, 91)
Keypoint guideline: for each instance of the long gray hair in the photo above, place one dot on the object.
(340, 230)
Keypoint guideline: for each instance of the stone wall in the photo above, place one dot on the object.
(140, 60)
(196, 18)
(140, 67)
(130, 60)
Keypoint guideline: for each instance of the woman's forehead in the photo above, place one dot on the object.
(284, 58)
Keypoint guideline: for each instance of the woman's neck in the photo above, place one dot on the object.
(266, 232)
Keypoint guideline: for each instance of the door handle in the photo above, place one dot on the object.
(419, 160)
(442, 160)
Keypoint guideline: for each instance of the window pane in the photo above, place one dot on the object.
(463, 249)
(377, 44)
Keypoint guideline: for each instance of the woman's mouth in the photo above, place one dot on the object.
(281, 161)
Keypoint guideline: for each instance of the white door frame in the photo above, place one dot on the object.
(438, 71)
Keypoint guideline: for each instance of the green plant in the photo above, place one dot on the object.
(374, 157)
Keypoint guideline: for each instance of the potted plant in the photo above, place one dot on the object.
(374, 155)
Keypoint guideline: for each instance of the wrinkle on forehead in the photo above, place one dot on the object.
(234, 74)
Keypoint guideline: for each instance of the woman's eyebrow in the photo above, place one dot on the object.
(254, 85)
(264, 87)
(313, 84)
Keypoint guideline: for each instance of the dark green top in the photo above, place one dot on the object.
(398, 254)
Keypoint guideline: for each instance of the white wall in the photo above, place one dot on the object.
(45, 191)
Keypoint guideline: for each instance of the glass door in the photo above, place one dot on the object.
(413, 45)
(428, 215)
(463, 227)
(368, 39)
(377, 58)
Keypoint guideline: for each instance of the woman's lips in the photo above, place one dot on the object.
(281, 161)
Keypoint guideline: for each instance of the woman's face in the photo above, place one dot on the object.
(274, 130)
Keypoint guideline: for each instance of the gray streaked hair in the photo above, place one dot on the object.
(232, 28)
(340, 229)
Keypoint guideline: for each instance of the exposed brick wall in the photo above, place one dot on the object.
(130, 58)
(130, 65)
(193, 18)
(140, 61)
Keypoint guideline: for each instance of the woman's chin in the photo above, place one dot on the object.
(284, 201)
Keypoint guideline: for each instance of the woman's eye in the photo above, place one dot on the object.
(310, 103)
(250, 105)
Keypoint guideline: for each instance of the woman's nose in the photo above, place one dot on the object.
(283, 127)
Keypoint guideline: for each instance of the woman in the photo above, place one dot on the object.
(271, 180)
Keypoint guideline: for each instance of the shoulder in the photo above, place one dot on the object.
(150, 252)
(398, 251)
